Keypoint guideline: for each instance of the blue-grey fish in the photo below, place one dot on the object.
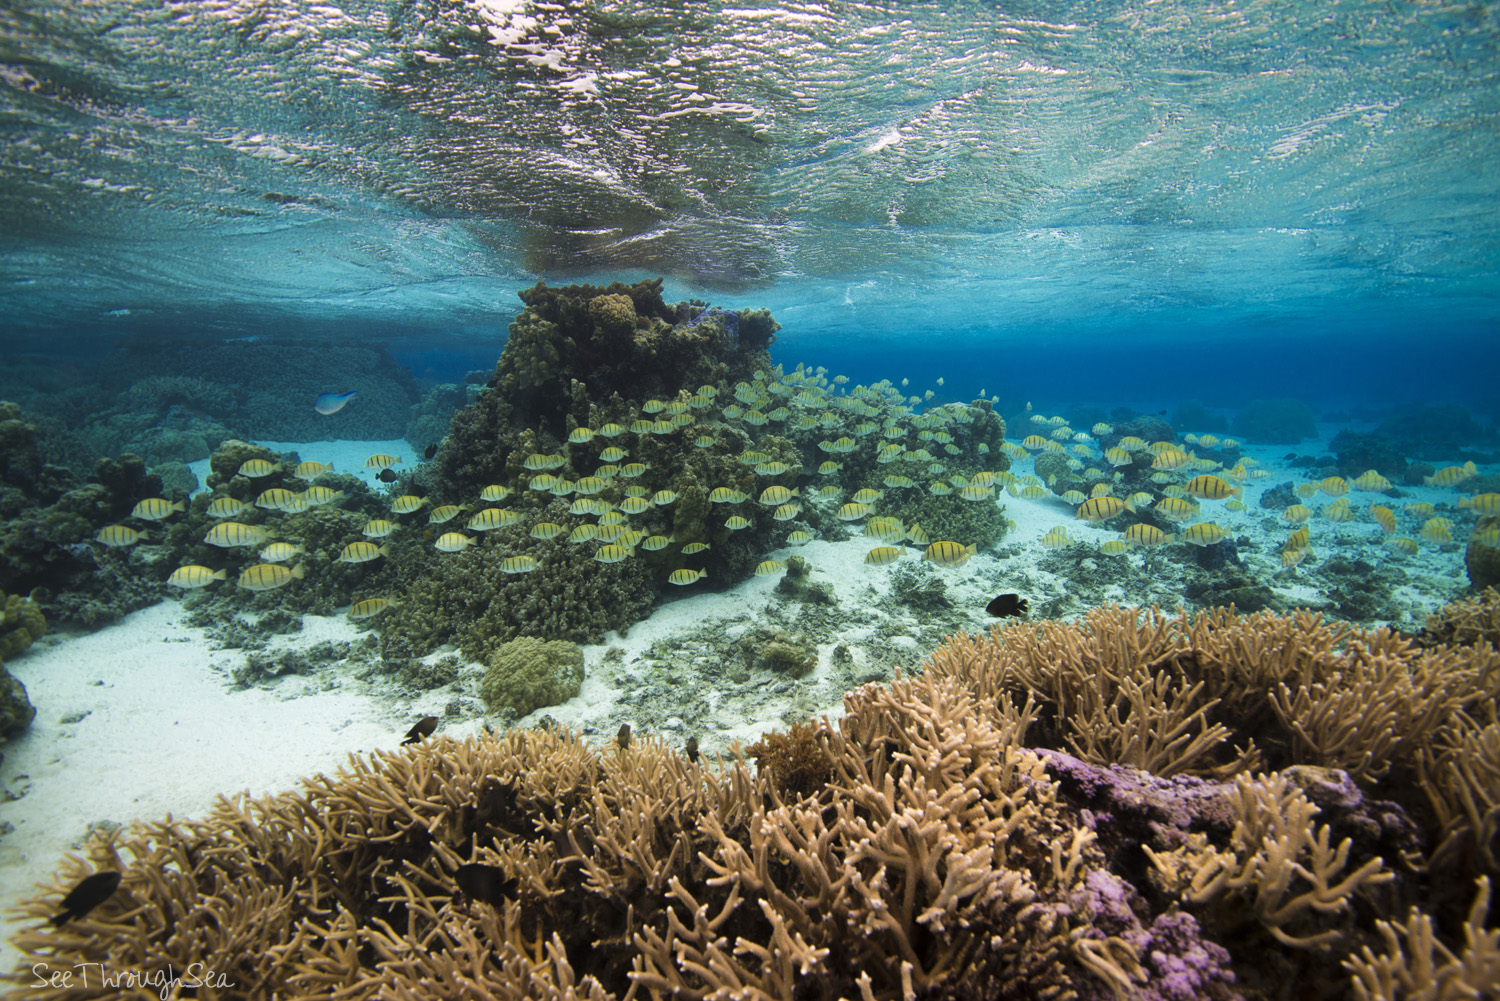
(331, 403)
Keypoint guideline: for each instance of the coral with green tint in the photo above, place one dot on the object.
(527, 674)
(21, 624)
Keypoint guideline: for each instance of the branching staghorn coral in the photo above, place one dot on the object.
(1279, 863)
(1173, 694)
(925, 866)
(1421, 968)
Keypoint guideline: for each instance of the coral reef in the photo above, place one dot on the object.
(21, 624)
(1467, 622)
(1482, 562)
(1275, 422)
(1056, 810)
(527, 674)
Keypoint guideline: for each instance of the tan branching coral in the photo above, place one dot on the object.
(1280, 865)
(1469, 621)
(934, 861)
(1216, 693)
(1416, 966)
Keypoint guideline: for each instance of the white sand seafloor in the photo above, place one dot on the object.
(142, 719)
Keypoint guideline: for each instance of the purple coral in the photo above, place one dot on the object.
(1180, 965)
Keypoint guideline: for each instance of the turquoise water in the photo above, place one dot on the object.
(1264, 232)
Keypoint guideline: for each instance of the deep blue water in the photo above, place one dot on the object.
(1122, 203)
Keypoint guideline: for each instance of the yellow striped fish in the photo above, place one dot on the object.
(269, 576)
(735, 523)
(191, 577)
(1114, 547)
(1334, 486)
(1211, 487)
(280, 552)
(118, 536)
(685, 576)
(768, 567)
(382, 461)
(494, 492)
(1296, 514)
(453, 542)
(490, 519)
(254, 469)
(407, 503)
(1097, 509)
(444, 514)
(518, 564)
(1371, 482)
(361, 552)
(155, 509)
(228, 534)
(378, 528)
(227, 507)
(881, 555)
(1438, 530)
(277, 499)
(1146, 535)
(1176, 508)
(369, 607)
(1484, 504)
(1203, 534)
(1384, 517)
(696, 547)
(610, 554)
(1450, 475)
(318, 496)
(1404, 546)
(309, 471)
(948, 554)
(1297, 540)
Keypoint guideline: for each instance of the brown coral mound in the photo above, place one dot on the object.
(934, 862)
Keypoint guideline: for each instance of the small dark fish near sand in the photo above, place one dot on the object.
(429, 451)
(331, 403)
(1007, 604)
(485, 882)
(88, 894)
(423, 728)
(387, 476)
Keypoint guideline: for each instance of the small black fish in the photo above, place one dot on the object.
(623, 737)
(429, 451)
(423, 728)
(692, 750)
(386, 475)
(88, 894)
(485, 882)
(494, 803)
(1007, 604)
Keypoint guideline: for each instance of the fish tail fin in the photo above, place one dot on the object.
(1130, 505)
(1238, 493)
(220, 575)
(299, 571)
(970, 549)
(58, 919)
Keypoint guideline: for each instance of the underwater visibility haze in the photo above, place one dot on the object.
(864, 500)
